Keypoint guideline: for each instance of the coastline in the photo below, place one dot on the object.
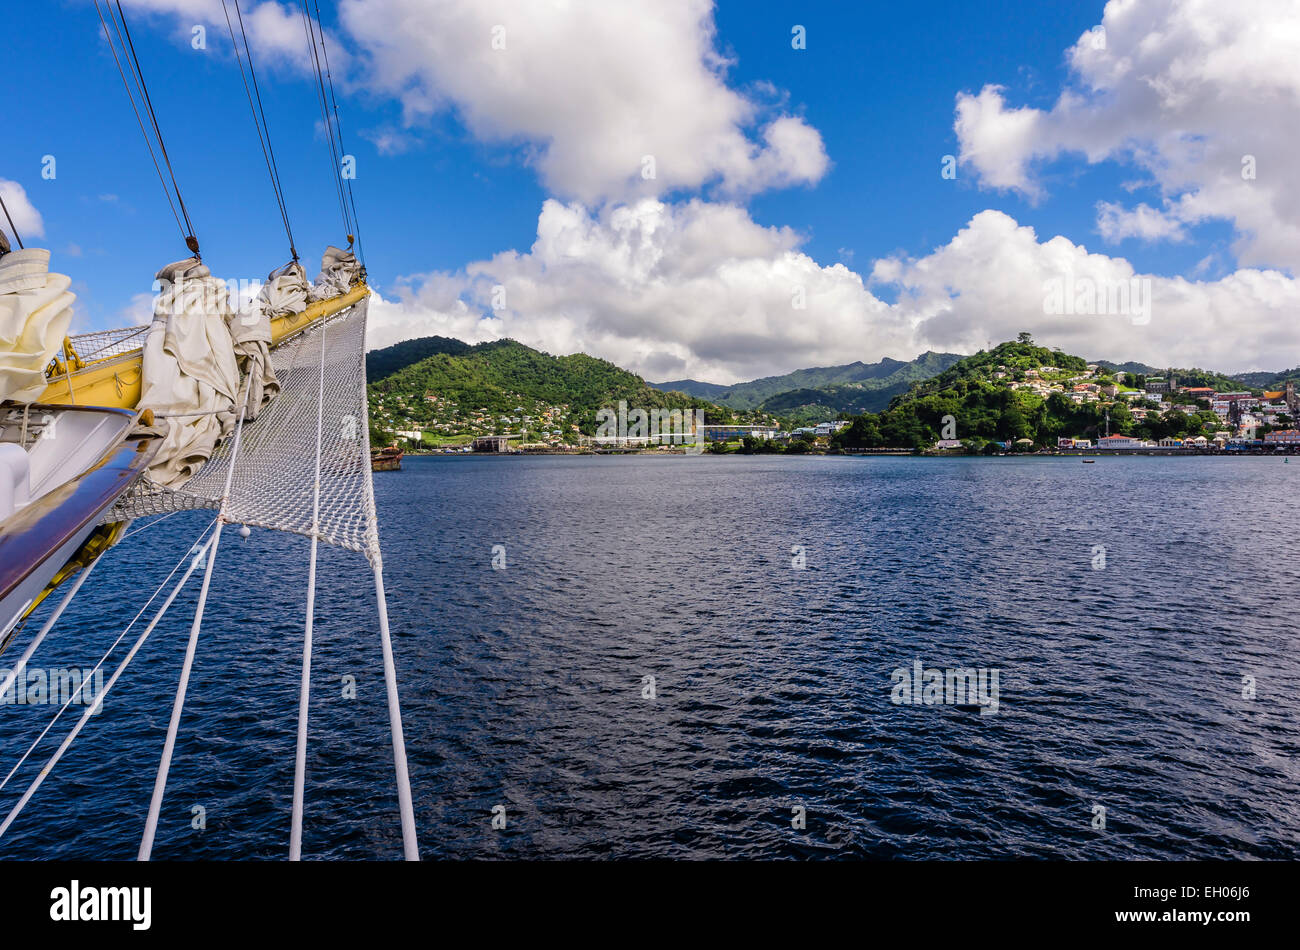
(1283, 451)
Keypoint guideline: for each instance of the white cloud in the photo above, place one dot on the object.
(667, 290)
(700, 290)
(589, 89)
(999, 141)
(1184, 89)
(26, 218)
(275, 31)
(1115, 223)
(990, 282)
(696, 288)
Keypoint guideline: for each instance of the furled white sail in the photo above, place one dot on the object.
(339, 270)
(284, 292)
(190, 371)
(35, 310)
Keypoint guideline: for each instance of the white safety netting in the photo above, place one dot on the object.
(272, 483)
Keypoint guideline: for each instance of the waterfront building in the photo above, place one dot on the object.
(1283, 437)
(729, 433)
(491, 443)
(1119, 442)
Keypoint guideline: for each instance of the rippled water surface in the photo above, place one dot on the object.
(1120, 686)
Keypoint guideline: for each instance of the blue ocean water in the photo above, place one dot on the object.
(771, 599)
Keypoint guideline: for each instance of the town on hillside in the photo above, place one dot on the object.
(1207, 418)
(1017, 397)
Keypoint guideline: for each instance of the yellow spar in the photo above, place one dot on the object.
(114, 381)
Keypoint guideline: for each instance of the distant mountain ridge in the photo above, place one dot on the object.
(1205, 377)
(822, 392)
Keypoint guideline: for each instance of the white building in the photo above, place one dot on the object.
(1119, 442)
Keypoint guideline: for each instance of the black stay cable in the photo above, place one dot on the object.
(335, 155)
(131, 96)
(190, 239)
(263, 127)
(5, 208)
(338, 126)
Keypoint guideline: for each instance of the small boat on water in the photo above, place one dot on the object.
(1089, 461)
(387, 459)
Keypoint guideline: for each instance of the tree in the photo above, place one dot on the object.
(862, 433)
(1025, 337)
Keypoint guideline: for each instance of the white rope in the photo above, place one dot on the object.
(409, 846)
(99, 700)
(36, 641)
(145, 527)
(173, 726)
(107, 653)
(300, 753)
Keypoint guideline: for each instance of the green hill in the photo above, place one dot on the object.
(1187, 377)
(1269, 380)
(694, 387)
(504, 387)
(1015, 391)
(1223, 382)
(386, 362)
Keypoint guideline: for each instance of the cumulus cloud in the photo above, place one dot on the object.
(608, 101)
(1200, 94)
(696, 288)
(996, 278)
(999, 142)
(625, 267)
(1115, 223)
(701, 290)
(26, 218)
(591, 90)
(276, 32)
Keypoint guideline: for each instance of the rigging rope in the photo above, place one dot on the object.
(99, 700)
(191, 553)
(160, 780)
(304, 694)
(338, 126)
(336, 154)
(5, 208)
(130, 95)
(146, 527)
(53, 618)
(190, 240)
(263, 127)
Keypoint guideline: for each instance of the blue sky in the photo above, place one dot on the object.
(878, 83)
